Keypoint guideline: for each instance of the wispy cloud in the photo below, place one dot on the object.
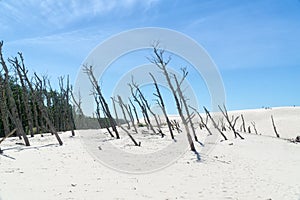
(53, 15)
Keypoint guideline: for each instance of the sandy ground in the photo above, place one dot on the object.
(259, 167)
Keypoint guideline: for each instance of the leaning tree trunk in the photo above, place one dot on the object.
(214, 123)
(24, 95)
(143, 108)
(202, 121)
(43, 110)
(224, 112)
(3, 109)
(12, 104)
(162, 106)
(123, 111)
(145, 102)
(159, 61)
(189, 117)
(274, 127)
(135, 112)
(106, 110)
(115, 110)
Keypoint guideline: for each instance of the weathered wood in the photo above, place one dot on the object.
(11, 101)
(158, 60)
(225, 114)
(105, 107)
(274, 127)
(254, 127)
(214, 123)
(184, 102)
(202, 120)
(161, 104)
(243, 125)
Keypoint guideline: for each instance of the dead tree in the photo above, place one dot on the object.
(253, 124)
(201, 120)
(161, 104)
(3, 108)
(249, 129)
(66, 106)
(146, 104)
(77, 110)
(214, 123)
(274, 127)
(42, 108)
(134, 110)
(105, 108)
(225, 114)
(11, 101)
(143, 108)
(123, 106)
(77, 103)
(184, 101)
(161, 63)
(131, 137)
(25, 96)
(176, 125)
(99, 116)
(223, 126)
(115, 110)
(243, 125)
(128, 110)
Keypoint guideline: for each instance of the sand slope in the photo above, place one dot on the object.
(258, 167)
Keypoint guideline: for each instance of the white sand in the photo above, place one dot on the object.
(258, 167)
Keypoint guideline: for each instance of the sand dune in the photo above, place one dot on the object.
(258, 167)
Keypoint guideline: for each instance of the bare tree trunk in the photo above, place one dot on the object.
(244, 126)
(144, 100)
(275, 130)
(131, 137)
(99, 117)
(159, 61)
(80, 120)
(68, 109)
(122, 105)
(24, 94)
(202, 121)
(135, 112)
(12, 104)
(115, 110)
(106, 110)
(224, 112)
(185, 104)
(123, 111)
(128, 108)
(143, 108)
(3, 108)
(214, 123)
(253, 124)
(43, 109)
(162, 106)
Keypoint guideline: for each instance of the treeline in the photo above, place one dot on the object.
(29, 105)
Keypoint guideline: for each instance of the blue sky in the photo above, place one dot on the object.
(255, 44)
